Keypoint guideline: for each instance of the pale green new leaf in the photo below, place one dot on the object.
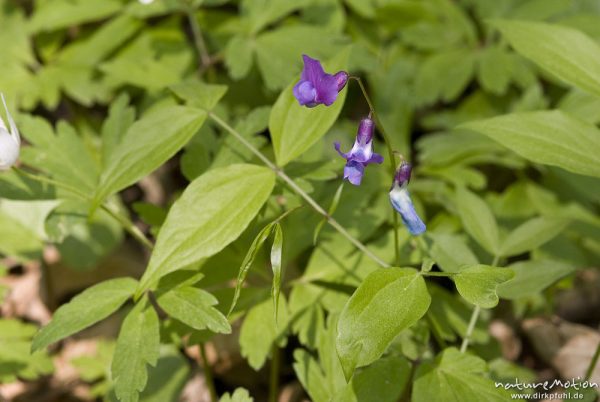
(137, 345)
(148, 143)
(276, 251)
(92, 305)
(478, 219)
(455, 377)
(387, 302)
(194, 307)
(549, 137)
(478, 284)
(295, 128)
(532, 277)
(198, 94)
(532, 234)
(211, 213)
(567, 53)
(255, 247)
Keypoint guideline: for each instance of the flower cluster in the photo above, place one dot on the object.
(10, 141)
(316, 87)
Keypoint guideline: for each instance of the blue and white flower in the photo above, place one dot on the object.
(361, 153)
(401, 201)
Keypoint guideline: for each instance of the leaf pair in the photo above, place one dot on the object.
(276, 253)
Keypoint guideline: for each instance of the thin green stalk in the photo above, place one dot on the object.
(392, 163)
(208, 375)
(204, 60)
(592, 366)
(274, 374)
(281, 174)
(474, 318)
(123, 221)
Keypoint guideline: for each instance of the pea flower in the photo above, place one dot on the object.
(316, 86)
(400, 198)
(361, 153)
(9, 141)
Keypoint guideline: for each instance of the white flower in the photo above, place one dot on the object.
(145, 1)
(10, 142)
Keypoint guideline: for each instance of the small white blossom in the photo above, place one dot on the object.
(10, 141)
(145, 1)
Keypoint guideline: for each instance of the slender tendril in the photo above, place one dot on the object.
(123, 221)
(285, 178)
(474, 318)
(391, 158)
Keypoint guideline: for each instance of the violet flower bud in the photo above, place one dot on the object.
(316, 87)
(361, 153)
(10, 141)
(401, 201)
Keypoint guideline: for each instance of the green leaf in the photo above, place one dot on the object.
(451, 252)
(198, 94)
(532, 234)
(478, 284)
(456, 66)
(92, 305)
(239, 395)
(531, 277)
(167, 379)
(137, 345)
(211, 213)
(238, 56)
(387, 302)
(550, 137)
(194, 307)
(260, 331)
(120, 117)
(51, 15)
(478, 219)
(295, 128)
(276, 251)
(455, 377)
(386, 378)
(565, 52)
(78, 170)
(495, 69)
(148, 144)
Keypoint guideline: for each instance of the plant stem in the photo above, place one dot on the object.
(281, 174)
(210, 381)
(274, 375)
(392, 164)
(592, 366)
(133, 230)
(203, 56)
(123, 221)
(470, 328)
(473, 320)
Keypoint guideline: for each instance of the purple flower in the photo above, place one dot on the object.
(361, 153)
(316, 86)
(401, 201)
